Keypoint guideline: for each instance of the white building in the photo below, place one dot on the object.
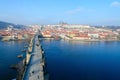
(93, 35)
(76, 26)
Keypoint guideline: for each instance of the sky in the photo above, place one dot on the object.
(89, 12)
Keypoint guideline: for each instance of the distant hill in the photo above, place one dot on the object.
(4, 25)
(109, 27)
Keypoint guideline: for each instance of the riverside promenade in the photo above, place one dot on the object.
(34, 61)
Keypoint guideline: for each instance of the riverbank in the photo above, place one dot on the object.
(10, 38)
(85, 40)
(94, 40)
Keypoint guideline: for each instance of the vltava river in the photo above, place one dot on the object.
(68, 60)
(8, 56)
(74, 60)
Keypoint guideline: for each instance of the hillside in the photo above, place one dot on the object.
(4, 25)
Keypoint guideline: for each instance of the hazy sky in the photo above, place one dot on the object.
(99, 12)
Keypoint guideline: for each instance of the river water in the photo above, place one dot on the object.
(8, 56)
(68, 60)
(74, 60)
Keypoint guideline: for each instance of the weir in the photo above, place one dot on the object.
(33, 68)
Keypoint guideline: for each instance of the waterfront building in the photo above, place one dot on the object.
(93, 35)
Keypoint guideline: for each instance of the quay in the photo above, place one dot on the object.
(33, 65)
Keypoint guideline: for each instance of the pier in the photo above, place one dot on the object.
(33, 66)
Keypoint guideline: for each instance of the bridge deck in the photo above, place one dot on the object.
(35, 67)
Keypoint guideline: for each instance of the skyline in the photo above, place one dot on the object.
(90, 12)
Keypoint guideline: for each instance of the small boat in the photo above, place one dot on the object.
(20, 56)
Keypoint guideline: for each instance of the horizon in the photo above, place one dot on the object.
(86, 12)
(59, 24)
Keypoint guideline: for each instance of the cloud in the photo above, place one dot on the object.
(74, 11)
(115, 4)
